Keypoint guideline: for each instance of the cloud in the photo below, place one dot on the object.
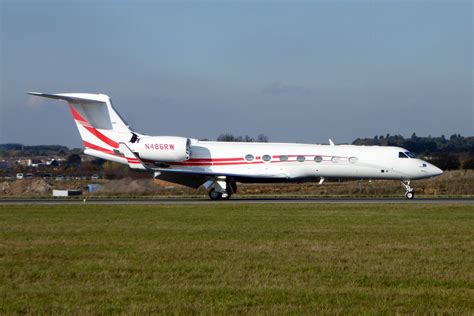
(278, 87)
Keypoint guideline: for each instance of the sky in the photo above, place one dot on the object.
(296, 71)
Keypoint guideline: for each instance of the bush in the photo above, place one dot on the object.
(468, 164)
(446, 161)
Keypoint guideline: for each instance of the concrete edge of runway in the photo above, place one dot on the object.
(187, 201)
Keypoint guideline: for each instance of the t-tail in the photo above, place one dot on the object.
(101, 128)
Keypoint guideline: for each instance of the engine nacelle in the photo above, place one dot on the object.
(163, 148)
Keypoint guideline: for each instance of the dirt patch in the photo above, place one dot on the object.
(130, 186)
(26, 187)
(459, 182)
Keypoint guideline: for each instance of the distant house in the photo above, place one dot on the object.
(24, 162)
(35, 163)
(52, 162)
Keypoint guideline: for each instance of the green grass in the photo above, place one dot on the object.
(224, 258)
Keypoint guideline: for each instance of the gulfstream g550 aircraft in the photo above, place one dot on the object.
(218, 166)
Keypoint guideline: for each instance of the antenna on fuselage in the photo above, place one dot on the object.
(331, 142)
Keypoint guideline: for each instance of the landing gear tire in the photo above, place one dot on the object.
(410, 193)
(215, 195)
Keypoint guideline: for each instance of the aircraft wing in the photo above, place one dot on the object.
(195, 178)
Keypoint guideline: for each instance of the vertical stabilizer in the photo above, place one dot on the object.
(99, 124)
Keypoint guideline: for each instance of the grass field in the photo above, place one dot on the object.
(224, 258)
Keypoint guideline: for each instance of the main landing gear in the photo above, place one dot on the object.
(410, 192)
(220, 189)
(216, 195)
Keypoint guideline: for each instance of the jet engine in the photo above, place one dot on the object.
(163, 148)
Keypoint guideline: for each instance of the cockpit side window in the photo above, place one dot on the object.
(409, 154)
(402, 155)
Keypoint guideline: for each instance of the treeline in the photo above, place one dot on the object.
(450, 153)
(419, 145)
(16, 150)
(231, 138)
(447, 153)
(422, 145)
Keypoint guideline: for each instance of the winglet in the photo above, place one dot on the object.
(331, 142)
(133, 161)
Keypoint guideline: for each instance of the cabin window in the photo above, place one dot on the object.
(409, 154)
(266, 158)
(353, 159)
(335, 159)
(300, 158)
(382, 171)
(283, 158)
(318, 158)
(402, 155)
(249, 157)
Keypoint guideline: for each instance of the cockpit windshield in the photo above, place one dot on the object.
(406, 154)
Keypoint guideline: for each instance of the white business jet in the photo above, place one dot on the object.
(218, 166)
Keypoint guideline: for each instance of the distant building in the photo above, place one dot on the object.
(64, 193)
(35, 163)
(23, 162)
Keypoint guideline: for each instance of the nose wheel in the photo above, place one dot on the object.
(410, 192)
(410, 195)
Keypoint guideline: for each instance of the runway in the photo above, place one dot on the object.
(197, 201)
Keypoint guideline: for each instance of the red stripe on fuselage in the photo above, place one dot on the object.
(214, 163)
(214, 159)
(278, 156)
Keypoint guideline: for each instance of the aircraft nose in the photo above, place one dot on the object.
(436, 171)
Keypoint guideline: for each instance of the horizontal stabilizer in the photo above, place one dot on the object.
(73, 97)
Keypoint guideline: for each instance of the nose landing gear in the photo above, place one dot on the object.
(410, 192)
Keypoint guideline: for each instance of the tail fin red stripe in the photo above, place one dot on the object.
(110, 152)
(98, 148)
(91, 129)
